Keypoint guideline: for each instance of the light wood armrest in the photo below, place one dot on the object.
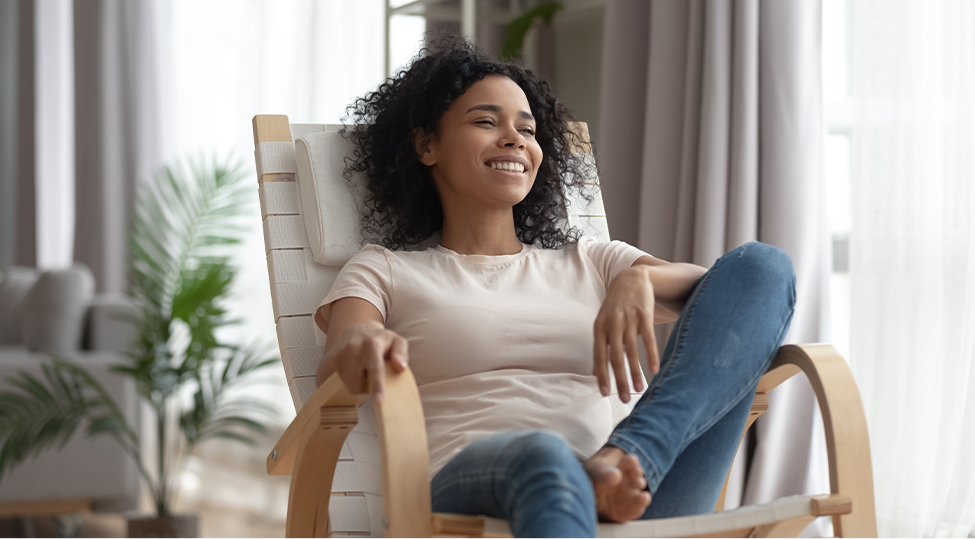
(310, 446)
(402, 430)
(332, 393)
(309, 450)
(845, 425)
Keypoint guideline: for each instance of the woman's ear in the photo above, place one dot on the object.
(421, 142)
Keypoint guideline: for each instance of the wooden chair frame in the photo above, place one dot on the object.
(310, 447)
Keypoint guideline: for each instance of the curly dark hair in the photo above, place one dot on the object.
(401, 206)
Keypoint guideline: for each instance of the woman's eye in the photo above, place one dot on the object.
(488, 122)
(529, 130)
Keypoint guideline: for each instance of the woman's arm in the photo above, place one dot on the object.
(672, 285)
(357, 346)
(650, 291)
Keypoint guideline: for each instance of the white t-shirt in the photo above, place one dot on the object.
(496, 343)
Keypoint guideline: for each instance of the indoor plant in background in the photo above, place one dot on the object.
(517, 30)
(181, 272)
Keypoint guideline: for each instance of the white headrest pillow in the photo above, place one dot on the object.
(329, 203)
(325, 193)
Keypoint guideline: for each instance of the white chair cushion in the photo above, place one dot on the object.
(323, 191)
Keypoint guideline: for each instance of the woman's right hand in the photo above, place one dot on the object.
(360, 354)
(358, 344)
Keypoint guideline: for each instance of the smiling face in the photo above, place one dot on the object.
(485, 154)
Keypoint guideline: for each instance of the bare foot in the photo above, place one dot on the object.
(618, 481)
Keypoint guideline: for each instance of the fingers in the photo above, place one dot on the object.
(398, 353)
(616, 358)
(633, 356)
(374, 369)
(599, 359)
(618, 333)
(382, 347)
(650, 343)
(360, 359)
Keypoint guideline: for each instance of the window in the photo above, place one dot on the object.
(227, 61)
(837, 108)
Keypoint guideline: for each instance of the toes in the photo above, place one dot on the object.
(626, 508)
(606, 475)
(630, 462)
(619, 488)
(633, 473)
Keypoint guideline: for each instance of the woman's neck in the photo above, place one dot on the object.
(481, 234)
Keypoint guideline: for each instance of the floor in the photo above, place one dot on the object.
(225, 482)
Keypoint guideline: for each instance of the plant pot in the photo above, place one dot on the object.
(166, 526)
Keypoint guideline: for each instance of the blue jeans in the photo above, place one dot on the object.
(684, 430)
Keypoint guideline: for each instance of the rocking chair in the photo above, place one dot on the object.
(346, 478)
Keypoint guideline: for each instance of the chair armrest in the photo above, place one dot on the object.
(309, 449)
(845, 425)
(332, 393)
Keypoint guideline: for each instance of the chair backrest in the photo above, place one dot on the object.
(310, 220)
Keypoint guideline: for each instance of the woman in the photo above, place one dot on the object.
(509, 323)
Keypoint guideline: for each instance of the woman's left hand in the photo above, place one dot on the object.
(626, 312)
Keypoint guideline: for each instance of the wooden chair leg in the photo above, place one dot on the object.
(847, 440)
(845, 425)
(311, 479)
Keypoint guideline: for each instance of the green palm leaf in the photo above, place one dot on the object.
(215, 412)
(235, 436)
(184, 221)
(516, 30)
(43, 414)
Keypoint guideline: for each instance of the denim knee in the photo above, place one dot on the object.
(551, 495)
(767, 265)
(546, 458)
(543, 448)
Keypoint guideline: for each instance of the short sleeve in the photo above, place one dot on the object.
(610, 257)
(367, 276)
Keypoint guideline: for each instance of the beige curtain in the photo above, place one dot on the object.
(118, 128)
(18, 230)
(711, 137)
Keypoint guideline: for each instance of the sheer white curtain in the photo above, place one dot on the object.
(912, 259)
(224, 62)
(54, 132)
(231, 59)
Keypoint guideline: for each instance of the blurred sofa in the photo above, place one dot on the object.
(57, 312)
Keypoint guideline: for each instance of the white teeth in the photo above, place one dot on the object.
(513, 167)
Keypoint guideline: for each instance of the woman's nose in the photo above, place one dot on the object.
(512, 138)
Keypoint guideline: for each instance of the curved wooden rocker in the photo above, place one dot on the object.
(309, 451)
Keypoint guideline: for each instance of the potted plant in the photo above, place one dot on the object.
(181, 273)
